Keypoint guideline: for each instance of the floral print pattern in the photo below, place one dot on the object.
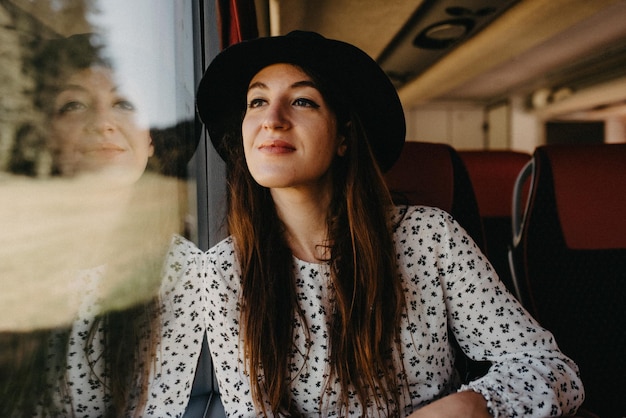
(448, 285)
(182, 318)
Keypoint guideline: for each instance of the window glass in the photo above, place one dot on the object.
(97, 137)
(73, 68)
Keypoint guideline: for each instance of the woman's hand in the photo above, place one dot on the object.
(467, 404)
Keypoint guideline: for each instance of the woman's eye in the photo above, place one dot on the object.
(255, 103)
(125, 105)
(71, 107)
(305, 103)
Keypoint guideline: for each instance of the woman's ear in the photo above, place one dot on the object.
(343, 146)
(150, 146)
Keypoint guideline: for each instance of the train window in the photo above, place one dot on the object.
(102, 165)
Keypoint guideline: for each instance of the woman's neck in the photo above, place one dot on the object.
(305, 218)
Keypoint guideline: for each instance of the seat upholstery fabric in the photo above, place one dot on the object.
(576, 287)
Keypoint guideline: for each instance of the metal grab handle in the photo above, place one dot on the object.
(517, 222)
(519, 215)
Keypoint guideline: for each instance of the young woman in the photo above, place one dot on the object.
(132, 346)
(326, 300)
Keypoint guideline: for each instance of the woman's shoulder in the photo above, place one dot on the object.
(182, 264)
(404, 215)
(223, 249)
(222, 257)
(181, 247)
(425, 224)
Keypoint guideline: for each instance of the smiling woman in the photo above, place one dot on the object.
(289, 131)
(87, 112)
(327, 299)
(94, 126)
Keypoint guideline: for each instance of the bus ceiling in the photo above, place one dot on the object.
(476, 50)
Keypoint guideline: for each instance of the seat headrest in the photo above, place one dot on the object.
(493, 175)
(590, 193)
(423, 175)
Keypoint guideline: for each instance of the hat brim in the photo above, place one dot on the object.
(221, 95)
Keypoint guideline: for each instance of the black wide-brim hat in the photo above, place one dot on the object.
(221, 96)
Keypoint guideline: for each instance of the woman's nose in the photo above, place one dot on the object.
(276, 117)
(102, 119)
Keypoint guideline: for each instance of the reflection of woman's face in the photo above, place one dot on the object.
(94, 129)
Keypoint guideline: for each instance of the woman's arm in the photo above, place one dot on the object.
(529, 376)
(467, 404)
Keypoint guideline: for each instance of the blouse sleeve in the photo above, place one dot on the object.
(182, 330)
(181, 315)
(222, 327)
(529, 376)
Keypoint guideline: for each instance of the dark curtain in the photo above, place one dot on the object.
(237, 21)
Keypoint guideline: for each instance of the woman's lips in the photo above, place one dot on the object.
(276, 147)
(104, 150)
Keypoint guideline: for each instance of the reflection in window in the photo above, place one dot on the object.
(96, 133)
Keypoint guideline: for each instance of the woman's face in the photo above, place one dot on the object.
(94, 129)
(289, 133)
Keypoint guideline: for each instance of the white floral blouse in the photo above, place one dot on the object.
(448, 284)
(182, 316)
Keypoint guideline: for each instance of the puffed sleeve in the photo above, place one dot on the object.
(181, 315)
(529, 376)
(223, 309)
(183, 325)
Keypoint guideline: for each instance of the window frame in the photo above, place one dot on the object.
(209, 172)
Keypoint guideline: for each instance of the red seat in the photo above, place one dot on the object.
(569, 259)
(493, 175)
(433, 174)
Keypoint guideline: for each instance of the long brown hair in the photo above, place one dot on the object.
(368, 295)
(22, 360)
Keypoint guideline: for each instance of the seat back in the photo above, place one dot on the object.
(433, 174)
(569, 259)
(493, 175)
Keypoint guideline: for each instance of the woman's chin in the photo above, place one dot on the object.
(110, 176)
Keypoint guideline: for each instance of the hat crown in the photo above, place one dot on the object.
(304, 34)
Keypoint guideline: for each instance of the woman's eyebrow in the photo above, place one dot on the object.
(257, 85)
(303, 83)
(78, 87)
(70, 87)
